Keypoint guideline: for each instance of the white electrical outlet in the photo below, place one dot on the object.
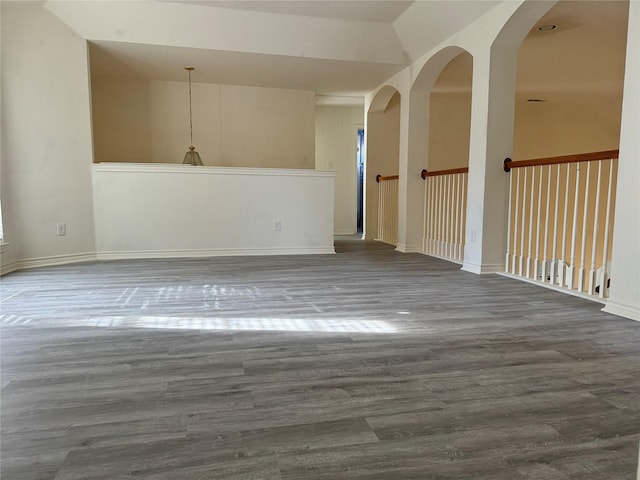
(473, 236)
(277, 226)
(61, 229)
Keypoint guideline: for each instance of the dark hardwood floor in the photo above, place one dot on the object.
(369, 364)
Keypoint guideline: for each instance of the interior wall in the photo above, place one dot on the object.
(383, 157)
(336, 137)
(266, 211)
(46, 137)
(237, 126)
(547, 129)
(449, 127)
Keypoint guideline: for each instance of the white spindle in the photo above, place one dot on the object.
(463, 215)
(594, 241)
(531, 226)
(506, 260)
(447, 213)
(524, 210)
(574, 230)
(604, 276)
(562, 267)
(583, 243)
(553, 269)
(545, 253)
(456, 219)
(515, 223)
(536, 261)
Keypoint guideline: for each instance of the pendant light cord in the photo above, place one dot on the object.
(190, 112)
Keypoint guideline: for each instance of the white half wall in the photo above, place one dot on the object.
(152, 211)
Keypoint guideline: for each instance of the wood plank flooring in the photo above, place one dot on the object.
(369, 364)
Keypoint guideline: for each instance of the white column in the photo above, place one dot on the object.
(624, 296)
(491, 141)
(414, 142)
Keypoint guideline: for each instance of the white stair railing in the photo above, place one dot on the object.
(388, 209)
(445, 213)
(560, 221)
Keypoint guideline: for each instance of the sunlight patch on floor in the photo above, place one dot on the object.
(203, 323)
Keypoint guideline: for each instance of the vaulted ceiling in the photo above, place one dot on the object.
(336, 47)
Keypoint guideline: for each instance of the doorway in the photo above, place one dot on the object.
(360, 179)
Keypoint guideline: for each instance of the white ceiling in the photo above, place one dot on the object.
(385, 11)
(583, 56)
(154, 62)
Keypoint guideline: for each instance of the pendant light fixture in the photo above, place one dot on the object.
(191, 157)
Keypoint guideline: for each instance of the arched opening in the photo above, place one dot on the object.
(382, 159)
(446, 177)
(445, 82)
(569, 84)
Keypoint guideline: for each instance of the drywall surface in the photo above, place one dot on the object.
(46, 139)
(144, 210)
(148, 121)
(336, 138)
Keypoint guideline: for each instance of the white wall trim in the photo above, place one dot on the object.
(8, 268)
(345, 231)
(439, 257)
(623, 310)
(403, 248)
(48, 261)
(481, 269)
(555, 287)
(206, 170)
(214, 252)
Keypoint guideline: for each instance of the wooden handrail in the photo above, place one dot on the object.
(380, 178)
(508, 164)
(424, 173)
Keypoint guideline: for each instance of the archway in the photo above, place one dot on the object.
(445, 178)
(382, 133)
(561, 214)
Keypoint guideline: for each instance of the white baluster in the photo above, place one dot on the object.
(604, 276)
(574, 229)
(585, 217)
(554, 265)
(524, 209)
(463, 215)
(545, 253)
(536, 261)
(531, 226)
(515, 223)
(506, 259)
(596, 228)
(562, 267)
(456, 236)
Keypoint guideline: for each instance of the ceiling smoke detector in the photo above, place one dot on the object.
(547, 28)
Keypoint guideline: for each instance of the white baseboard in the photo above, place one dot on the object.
(8, 268)
(344, 231)
(623, 310)
(401, 247)
(214, 252)
(441, 258)
(48, 261)
(482, 269)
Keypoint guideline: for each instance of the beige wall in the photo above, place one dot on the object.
(541, 129)
(336, 137)
(450, 117)
(552, 128)
(383, 154)
(138, 121)
(46, 139)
